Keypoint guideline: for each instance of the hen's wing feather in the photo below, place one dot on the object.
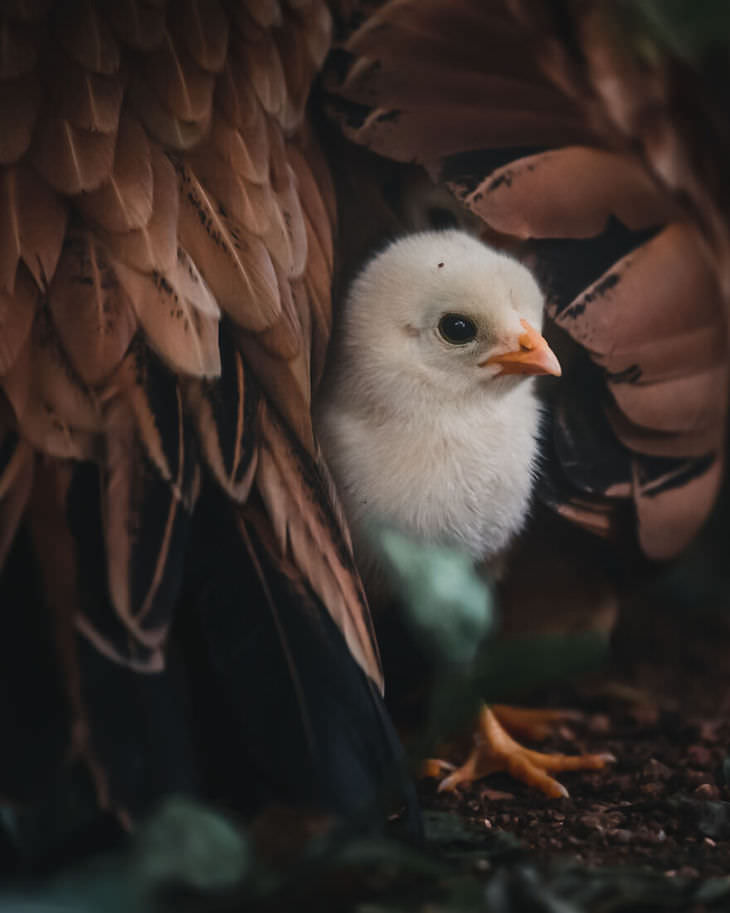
(171, 328)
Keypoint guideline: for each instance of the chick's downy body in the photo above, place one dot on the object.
(428, 419)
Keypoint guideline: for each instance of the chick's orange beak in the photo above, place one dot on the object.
(533, 357)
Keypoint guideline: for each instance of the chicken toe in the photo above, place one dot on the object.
(495, 750)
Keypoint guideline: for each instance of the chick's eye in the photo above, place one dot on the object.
(457, 329)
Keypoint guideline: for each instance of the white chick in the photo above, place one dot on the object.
(428, 417)
(429, 421)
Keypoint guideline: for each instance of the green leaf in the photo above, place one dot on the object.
(189, 844)
(687, 29)
(449, 607)
(514, 666)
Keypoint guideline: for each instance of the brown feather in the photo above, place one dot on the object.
(19, 102)
(226, 413)
(54, 410)
(244, 148)
(265, 13)
(669, 516)
(85, 36)
(17, 311)
(299, 499)
(698, 442)
(597, 517)
(16, 483)
(152, 248)
(679, 328)
(241, 135)
(124, 510)
(133, 383)
(298, 71)
(32, 226)
(249, 203)
(312, 198)
(570, 192)
(285, 383)
(285, 337)
(178, 314)
(266, 74)
(160, 122)
(180, 84)
(687, 404)
(88, 100)
(71, 159)
(124, 202)
(317, 286)
(286, 237)
(203, 26)
(224, 167)
(92, 313)
(235, 263)
(137, 23)
(19, 46)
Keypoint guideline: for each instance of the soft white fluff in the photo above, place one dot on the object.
(418, 433)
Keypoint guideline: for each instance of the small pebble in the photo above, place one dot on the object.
(591, 823)
(688, 871)
(495, 795)
(620, 835)
(645, 715)
(600, 723)
(708, 731)
(652, 789)
(707, 791)
(655, 770)
(700, 755)
(696, 777)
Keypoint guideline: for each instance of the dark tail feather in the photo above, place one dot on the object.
(285, 712)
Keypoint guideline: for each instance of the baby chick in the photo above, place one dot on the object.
(429, 421)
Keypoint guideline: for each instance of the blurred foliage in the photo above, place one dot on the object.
(183, 844)
(461, 868)
(449, 606)
(451, 612)
(688, 29)
(509, 668)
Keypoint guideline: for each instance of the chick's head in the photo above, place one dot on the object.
(440, 310)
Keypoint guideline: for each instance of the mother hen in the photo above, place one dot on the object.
(173, 555)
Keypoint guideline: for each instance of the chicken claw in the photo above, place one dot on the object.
(495, 750)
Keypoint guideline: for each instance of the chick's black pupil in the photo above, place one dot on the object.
(456, 328)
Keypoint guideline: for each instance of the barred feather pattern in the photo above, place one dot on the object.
(166, 227)
(573, 160)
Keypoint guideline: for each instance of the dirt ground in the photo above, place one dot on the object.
(663, 709)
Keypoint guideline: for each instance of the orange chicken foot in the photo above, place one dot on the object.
(495, 750)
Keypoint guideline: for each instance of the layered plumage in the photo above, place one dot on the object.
(166, 250)
(570, 148)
